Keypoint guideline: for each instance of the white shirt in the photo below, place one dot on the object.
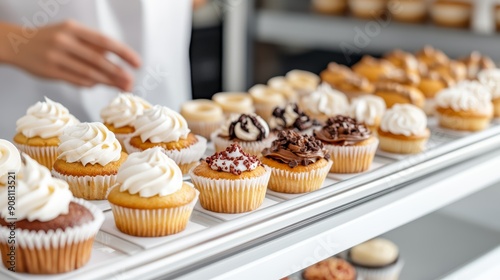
(159, 31)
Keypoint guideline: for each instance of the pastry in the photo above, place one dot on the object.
(281, 85)
(165, 128)
(234, 102)
(299, 163)
(402, 77)
(454, 69)
(431, 56)
(89, 158)
(345, 80)
(368, 110)
(291, 117)
(150, 199)
(476, 62)
(491, 79)
(231, 181)
(265, 99)
(54, 232)
(250, 131)
(497, 16)
(203, 116)
(376, 259)
(412, 11)
(431, 83)
(38, 131)
(372, 68)
(367, 9)
(119, 116)
(465, 107)
(405, 61)
(335, 7)
(10, 161)
(325, 102)
(351, 145)
(403, 130)
(330, 269)
(450, 13)
(394, 93)
(303, 82)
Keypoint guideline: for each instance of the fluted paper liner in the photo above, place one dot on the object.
(88, 187)
(400, 146)
(45, 156)
(352, 159)
(285, 181)
(186, 158)
(232, 196)
(384, 273)
(204, 129)
(252, 147)
(54, 251)
(463, 123)
(153, 222)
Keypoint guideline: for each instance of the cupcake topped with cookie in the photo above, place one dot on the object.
(394, 93)
(344, 79)
(292, 117)
(325, 102)
(234, 102)
(372, 68)
(303, 82)
(10, 161)
(265, 99)
(38, 131)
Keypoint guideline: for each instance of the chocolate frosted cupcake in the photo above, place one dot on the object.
(250, 131)
(292, 117)
(351, 145)
(299, 163)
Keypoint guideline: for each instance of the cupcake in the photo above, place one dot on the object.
(405, 61)
(332, 7)
(372, 68)
(394, 93)
(165, 128)
(330, 269)
(251, 132)
(451, 13)
(377, 259)
(367, 9)
(281, 85)
(291, 117)
(403, 130)
(491, 79)
(299, 163)
(234, 102)
(350, 144)
(402, 77)
(430, 56)
(265, 99)
(89, 158)
(39, 130)
(476, 62)
(231, 181)
(344, 79)
(119, 116)
(431, 83)
(454, 69)
(150, 199)
(325, 102)
(54, 232)
(10, 161)
(412, 11)
(368, 110)
(303, 82)
(464, 107)
(202, 116)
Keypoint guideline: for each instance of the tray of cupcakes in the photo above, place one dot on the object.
(145, 177)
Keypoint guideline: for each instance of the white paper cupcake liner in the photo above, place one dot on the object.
(265, 110)
(352, 159)
(430, 106)
(252, 147)
(122, 137)
(285, 181)
(232, 196)
(204, 129)
(385, 273)
(153, 222)
(88, 187)
(46, 155)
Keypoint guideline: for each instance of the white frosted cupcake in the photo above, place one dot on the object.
(39, 130)
(167, 129)
(265, 99)
(10, 161)
(403, 130)
(89, 158)
(324, 102)
(119, 116)
(54, 232)
(150, 199)
(491, 79)
(368, 109)
(203, 116)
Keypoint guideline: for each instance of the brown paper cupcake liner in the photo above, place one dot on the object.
(285, 181)
(88, 187)
(46, 156)
(352, 159)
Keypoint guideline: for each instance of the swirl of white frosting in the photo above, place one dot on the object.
(246, 130)
(367, 108)
(45, 119)
(327, 101)
(404, 119)
(89, 143)
(124, 110)
(224, 129)
(233, 160)
(491, 79)
(149, 173)
(161, 125)
(10, 160)
(290, 117)
(38, 195)
(466, 98)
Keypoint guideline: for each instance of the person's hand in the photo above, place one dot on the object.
(71, 52)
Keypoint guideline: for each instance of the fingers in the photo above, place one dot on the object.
(85, 70)
(70, 77)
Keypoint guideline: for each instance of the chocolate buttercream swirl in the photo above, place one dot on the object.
(342, 131)
(248, 128)
(291, 116)
(295, 149)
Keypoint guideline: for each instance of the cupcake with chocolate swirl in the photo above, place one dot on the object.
(351, 145)
(292, 117)
(231, 181)
(299, 163)
(250, 131)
